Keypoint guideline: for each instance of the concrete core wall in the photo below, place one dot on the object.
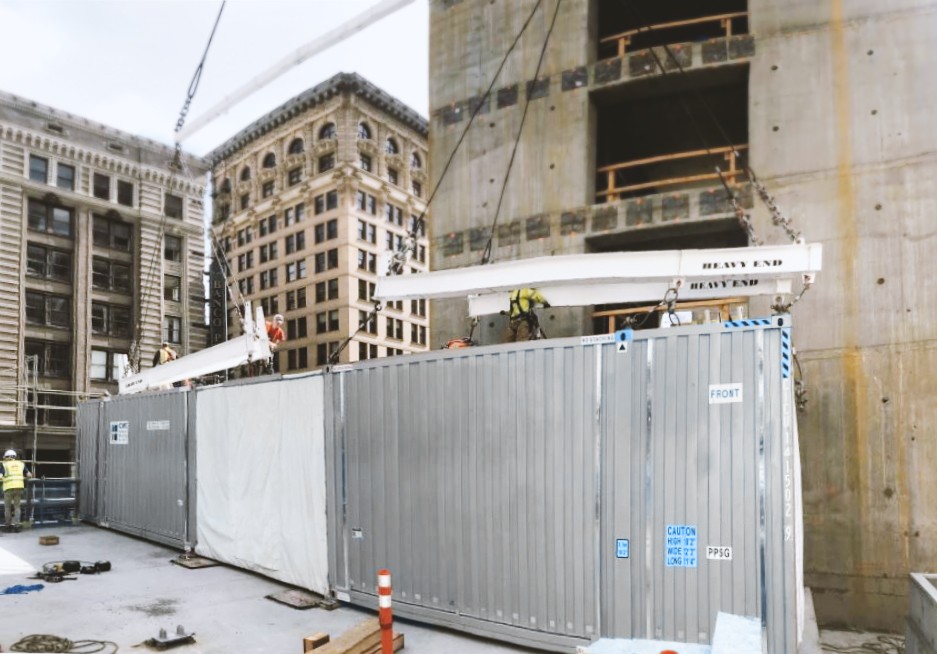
(840, 103)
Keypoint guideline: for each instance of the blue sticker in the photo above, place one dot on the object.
(621, 548)
(624, 335)
(680, 546)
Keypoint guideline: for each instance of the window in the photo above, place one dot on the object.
(245, 174)
(365, 162)
(38, 169)
(326, 231)
(105, 366)
(224, 211)
(327, 321)
(172, 248)
(296, 146)
(271, 224)
(296, 328)
(295, 176)
(268, 252)
(418, 334)
(172, 206)
(101, 186)
(267, 189)
(327, 290)
(417, 226)
(107, 275)
(365, 290)
(172, 329)
(328, 131)
(324, 351)
(296, 299)
(54, 358)
(421, 253)
(268, 279)
(246, 285)
(172, 288)
(364, 131)
(390, 146)
(245, 201)
(270, 305)
(367, 232)
(393, 214)
(392, 176)
(270, 160)
(226, 185)
(367, 351)
(331, 200)
(326, 162)
(368, 322)
(394, 328)
(48, 263)
(48, 310)
(415, 162)
(124, 193)
(111, 320)
(418, 307)
(295, 242)
(367, 261)
(417, 189)
(296, 270)
(326, 260)
(366, 202)
(65, 177)
(297, 358)
(50, 219)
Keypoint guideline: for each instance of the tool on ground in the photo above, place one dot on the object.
(166, 641)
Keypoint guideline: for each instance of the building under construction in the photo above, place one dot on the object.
(612, 117)
(101, 258)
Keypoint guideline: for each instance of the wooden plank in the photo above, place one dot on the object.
(671, 157)
(316, 640)
(357, 640)
(680, 23)
(398, 645)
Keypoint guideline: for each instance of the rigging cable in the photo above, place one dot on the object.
(177, 164)
(418, 225)
(486, 255)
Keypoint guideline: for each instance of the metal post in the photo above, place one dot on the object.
(385, 614)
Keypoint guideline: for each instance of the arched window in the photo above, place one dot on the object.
(296, 146)
(415, 162)
(226, 185)
(391, 147)
(364, 132)
(270, 161)
(245, 173)
(328, 131)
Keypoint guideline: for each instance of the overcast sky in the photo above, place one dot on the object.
(128, 63)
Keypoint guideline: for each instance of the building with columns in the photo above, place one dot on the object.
(101, 257)
(306, 199)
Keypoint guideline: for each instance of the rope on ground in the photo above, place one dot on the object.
(881, 645)
(55, 644)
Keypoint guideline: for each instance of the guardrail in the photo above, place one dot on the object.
(51, 501)
(624, 38)
(733, 308)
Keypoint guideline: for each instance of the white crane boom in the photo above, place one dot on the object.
(320, 43)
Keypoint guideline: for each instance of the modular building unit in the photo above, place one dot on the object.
(557, 491)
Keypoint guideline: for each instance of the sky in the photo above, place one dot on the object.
(128, 63)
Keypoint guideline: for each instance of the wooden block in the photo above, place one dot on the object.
(398, 645)
(316, 640)
(48, 540)
(357, 640)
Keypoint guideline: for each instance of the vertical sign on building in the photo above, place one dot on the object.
(217, 304)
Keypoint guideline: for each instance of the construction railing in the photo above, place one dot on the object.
(703, 311)
(612, 174)
(52, 501)
(623, 39)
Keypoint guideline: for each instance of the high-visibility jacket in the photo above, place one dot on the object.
(14, 475)
(522, 299)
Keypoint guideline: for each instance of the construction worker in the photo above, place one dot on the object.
(523, 324)
(275, 332)
(14, 474)
(165, 354)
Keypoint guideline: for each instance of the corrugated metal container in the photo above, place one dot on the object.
(921, 635)
(558, 491)
(134, 453)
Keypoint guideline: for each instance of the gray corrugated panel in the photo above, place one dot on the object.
(143, 482)
(87, 438)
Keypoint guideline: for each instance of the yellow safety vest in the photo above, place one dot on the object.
(13, 475)
(521, 300)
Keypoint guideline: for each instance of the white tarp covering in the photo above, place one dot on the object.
(261, 502)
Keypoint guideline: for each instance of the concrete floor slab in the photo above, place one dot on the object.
(225, 607)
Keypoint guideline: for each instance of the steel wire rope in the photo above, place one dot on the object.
(777, 217)
(177, 163)
(881, 644)
(45, 643)
(399, 257)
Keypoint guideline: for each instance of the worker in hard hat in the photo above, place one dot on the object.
(165, 354)
(523, 324)
(275, 332)
(14, 474)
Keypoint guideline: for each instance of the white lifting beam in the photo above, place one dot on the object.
(615, 277)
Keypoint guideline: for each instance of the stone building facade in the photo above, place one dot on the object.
(825, 100)
(101, 248)
(307, 199)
